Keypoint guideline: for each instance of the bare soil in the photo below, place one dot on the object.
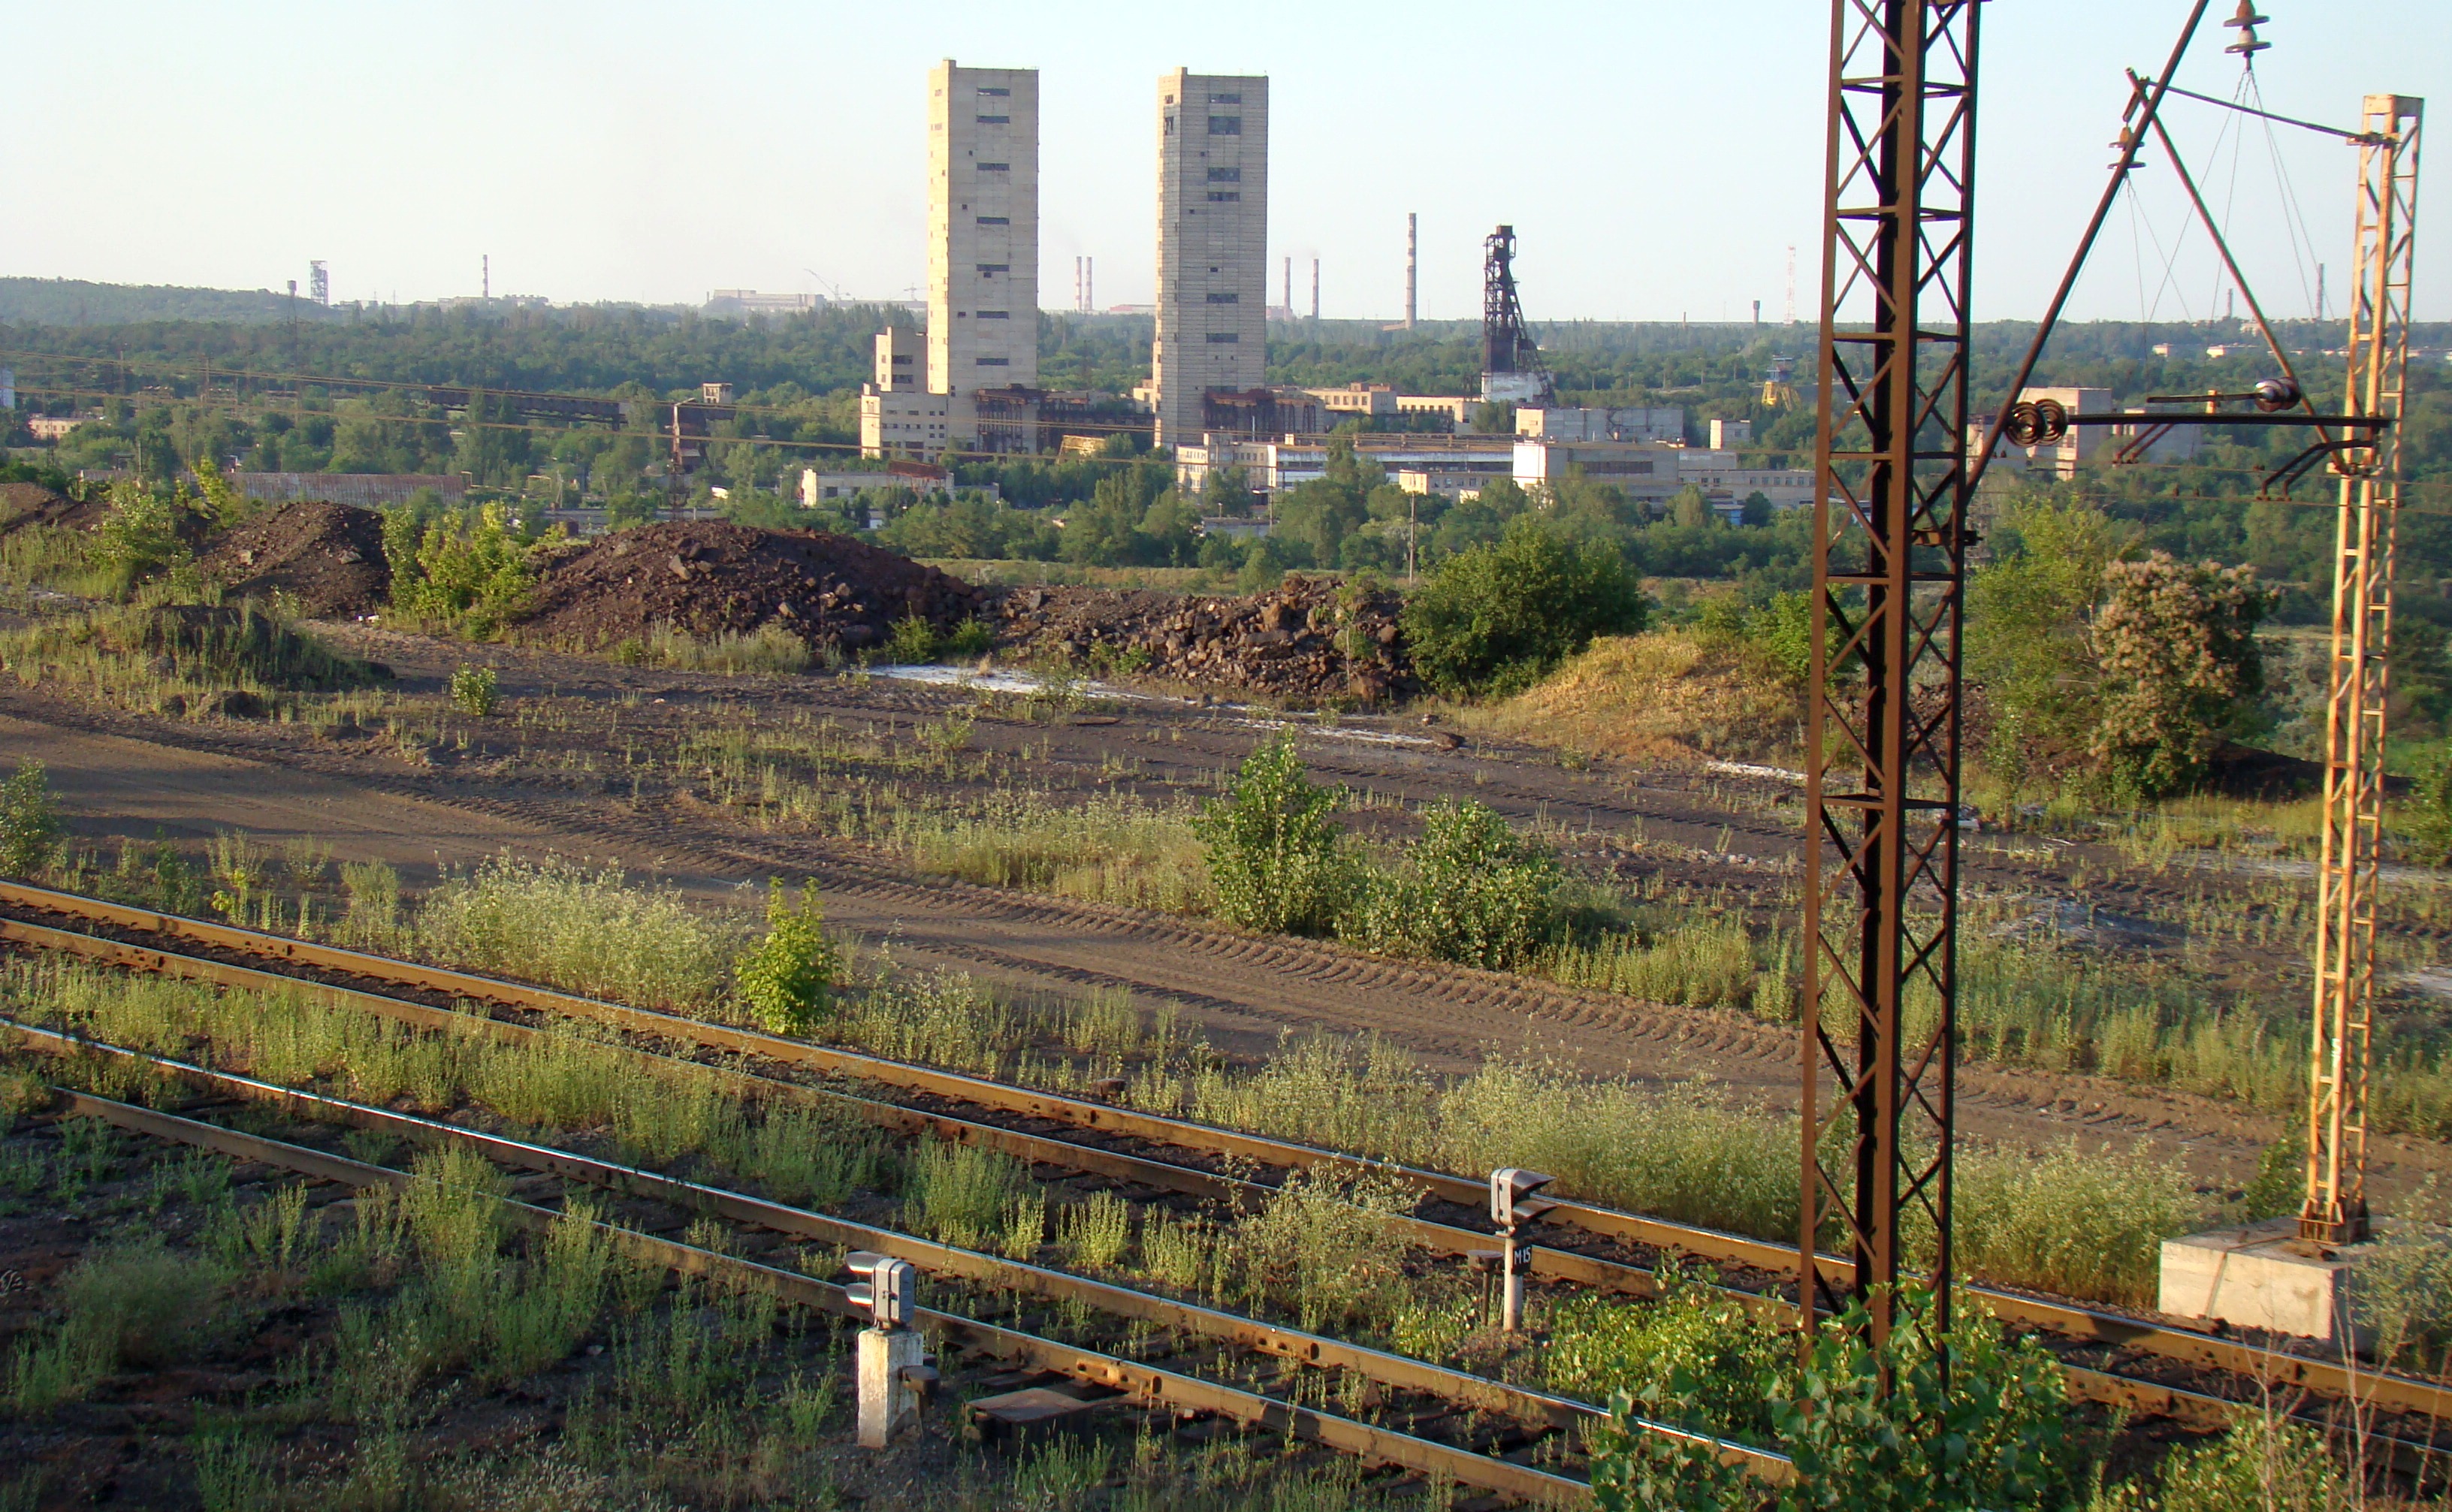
(711, 579)
(584, 763)
(327, 558)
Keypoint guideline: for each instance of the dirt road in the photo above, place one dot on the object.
(1245, 991)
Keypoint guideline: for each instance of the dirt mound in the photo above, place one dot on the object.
(34, 505)
(710, 579)
(1304, 640)
(328, 556)
(1664, 693)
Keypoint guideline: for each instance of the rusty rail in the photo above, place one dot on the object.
(1134, 1380)
(2072, 1321)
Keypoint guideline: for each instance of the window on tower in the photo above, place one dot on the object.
(1223, 337)
(1225, 125)
(1225, 196)
(1225, 175)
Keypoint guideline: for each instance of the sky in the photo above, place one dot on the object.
(1657, 159)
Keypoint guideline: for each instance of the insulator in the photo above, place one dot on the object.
(2052, 422)
(2274, 394)
(2025, 426)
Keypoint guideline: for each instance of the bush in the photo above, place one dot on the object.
(139, 535)
(1868, 1426)
(474, 691)
(30, 825)
(472, 574)
(1496, 618)
(1276, 859)
(1473, 893)
(787, 979)
(2261, 1461)
(911, 642)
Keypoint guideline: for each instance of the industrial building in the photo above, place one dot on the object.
(1212, 243)
(1666, 423)
(1270, 465)
(899, 416)
(1650, 472)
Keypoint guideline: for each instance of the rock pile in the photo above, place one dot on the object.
(328, 557)
(1305, 641)
(710, 579)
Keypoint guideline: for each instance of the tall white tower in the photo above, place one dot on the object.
(983, 229)
(1213, 243)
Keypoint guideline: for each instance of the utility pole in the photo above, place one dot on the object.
(2335, 1211)
(1881, 732)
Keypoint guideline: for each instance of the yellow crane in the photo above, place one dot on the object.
(2348, 874)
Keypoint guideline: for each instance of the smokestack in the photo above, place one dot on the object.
(1409, 270)
(1315, 289)
(485, 277)
(1290, 287)
(1090, 284)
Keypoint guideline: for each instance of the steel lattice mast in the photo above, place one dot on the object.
(1881, 734)
(2336, 1208)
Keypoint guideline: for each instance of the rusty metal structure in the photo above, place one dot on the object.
(1881, 733)
(2335, 1211)
(1508, 353)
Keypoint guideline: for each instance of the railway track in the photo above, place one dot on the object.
(1544, 1426)
(1128, 1146)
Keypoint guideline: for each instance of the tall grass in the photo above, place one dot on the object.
(1106, 850)
(770, 648)
(587, 930)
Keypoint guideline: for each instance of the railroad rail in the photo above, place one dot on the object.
(2076, 1322)
(1536, 1410)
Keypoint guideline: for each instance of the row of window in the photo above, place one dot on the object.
(994, 91)
(1222, 338)
(1225, 196)
(1225, 125)
(994, 167)
(995, 120)
(996, 220)
(1225, 175)
(991, 269)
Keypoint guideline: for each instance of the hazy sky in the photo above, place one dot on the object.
(1656, 159)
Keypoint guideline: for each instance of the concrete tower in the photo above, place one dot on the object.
(1213, 243)
(982, 232)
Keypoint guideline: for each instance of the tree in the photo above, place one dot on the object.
(2029, 646)
(2180, 669)
(1169, 532)
(1496, 618)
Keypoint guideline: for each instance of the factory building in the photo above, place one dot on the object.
(1213, 235)
(899, 416)
(1654, 423)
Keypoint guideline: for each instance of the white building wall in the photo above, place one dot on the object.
(983, 229)
(1213, 235)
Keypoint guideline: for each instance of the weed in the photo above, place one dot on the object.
(959, 1193)
(1097, 1232)
(788, 979)
(585, 931)
(1060, 1475)
(233, 1471)
(30, 824)
(475, 691)
(912, 642)
(373, 920)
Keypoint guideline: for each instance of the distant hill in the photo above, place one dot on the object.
(74, 301)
